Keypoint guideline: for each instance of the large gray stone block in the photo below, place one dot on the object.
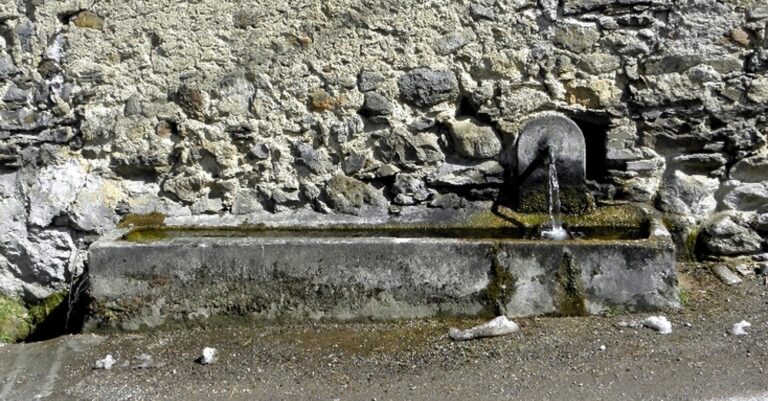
(361, 272)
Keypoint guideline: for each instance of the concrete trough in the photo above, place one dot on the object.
(175, 275)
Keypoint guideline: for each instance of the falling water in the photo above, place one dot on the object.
(556, 232)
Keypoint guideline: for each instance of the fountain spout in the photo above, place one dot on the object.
(556, 138)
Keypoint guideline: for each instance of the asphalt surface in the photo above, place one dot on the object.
(586, 358)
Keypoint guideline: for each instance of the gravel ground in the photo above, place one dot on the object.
(548, 359)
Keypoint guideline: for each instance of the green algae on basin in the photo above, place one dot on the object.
(610, 223)
(153, 234)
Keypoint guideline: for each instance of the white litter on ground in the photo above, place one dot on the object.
(738, 328)
(208, 357)
(658, 323)
(494, 328)
(105, 363)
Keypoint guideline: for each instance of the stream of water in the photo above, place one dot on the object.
(556, 232)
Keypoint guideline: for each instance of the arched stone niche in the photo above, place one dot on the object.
(537, 135)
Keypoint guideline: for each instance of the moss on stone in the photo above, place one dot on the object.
(142, 220)
(610, 216)
(14, 320)
(146, 235)
(503, 222)
(534, 202)
(503, 283)
(690, 243)
(571, 300)
(572, 201)
(40, 311)
(18, 321)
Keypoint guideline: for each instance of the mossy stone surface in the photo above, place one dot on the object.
(572, 298)
(18, 321)
(142, 220)
(14, 320)
(39, 312)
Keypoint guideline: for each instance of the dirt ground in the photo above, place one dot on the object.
(548, 359)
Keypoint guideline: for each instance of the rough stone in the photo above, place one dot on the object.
(316, 160)
(402, 148)
(194, 101)
(355, 162)
(722, 235)
(448, 201)
(480, 12)
(132, 106)
(424, 87)
(351, 196)
(726, 275)
(53, 190)
(369, 80)
(488, 172)
(7, 68)
(752, 169)
(740, 36)
(689, 195)
(582, 6)
(758, 90)
(593, 93)
(234, 96)
(746, 197)
(599, 63)
(454, 41)
(472, 140)
(259, 151)
(187, 186)
(376, 104)
(576, 37)
(699, 163)
(757, 12)
(761, 222)
(94, 208)
(409, 190)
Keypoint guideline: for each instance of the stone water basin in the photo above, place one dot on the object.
(478, 265)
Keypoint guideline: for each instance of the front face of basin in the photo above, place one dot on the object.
(153, 276)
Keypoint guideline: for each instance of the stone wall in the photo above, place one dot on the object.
(367, 108)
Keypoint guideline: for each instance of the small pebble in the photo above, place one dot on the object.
(105, 363)
(726, 275)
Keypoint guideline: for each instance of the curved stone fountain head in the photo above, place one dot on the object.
(551, 131)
